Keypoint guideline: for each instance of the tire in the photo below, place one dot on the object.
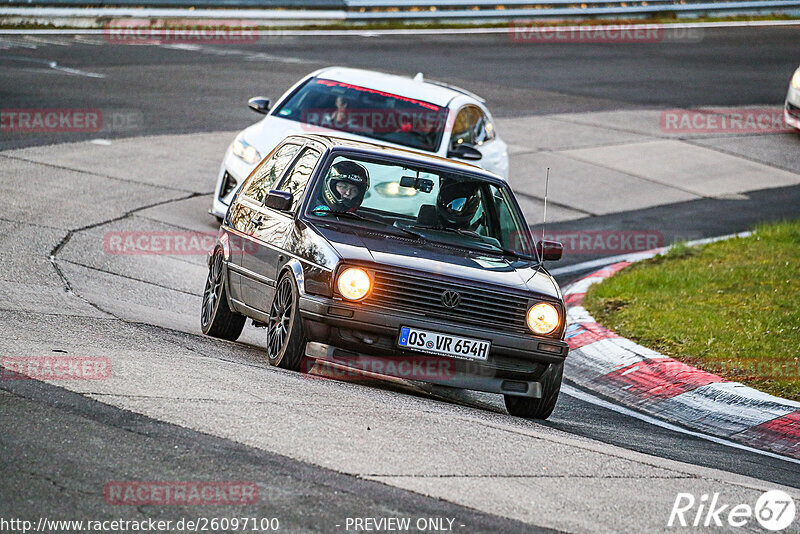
(216, 318)
(286, 341)
(538, 408)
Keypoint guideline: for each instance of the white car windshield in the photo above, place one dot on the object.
(424, 203)
(368, 112)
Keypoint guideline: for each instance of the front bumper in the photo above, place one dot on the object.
(365, 338)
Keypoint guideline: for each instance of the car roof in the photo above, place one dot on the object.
(434, 92)
(334, 143)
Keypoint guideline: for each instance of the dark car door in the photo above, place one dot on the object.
(251, 198)
(269, 229)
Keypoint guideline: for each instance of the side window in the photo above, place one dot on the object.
(479, 223)
(510, 237)
(471, 127)
(462, 128)
(297, 180)
(264, 177)
(484, 129)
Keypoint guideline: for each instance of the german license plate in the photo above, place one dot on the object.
(440, 343)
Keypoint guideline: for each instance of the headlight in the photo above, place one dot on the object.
(543, 318)
(247, 152)
(796, 79)
(354, 283)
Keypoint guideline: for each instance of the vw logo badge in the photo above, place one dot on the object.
(451, 299)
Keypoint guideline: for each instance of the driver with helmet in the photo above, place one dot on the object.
(344, 187)
(457, 203)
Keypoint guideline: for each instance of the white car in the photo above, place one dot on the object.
(410, 113)
(791, 109)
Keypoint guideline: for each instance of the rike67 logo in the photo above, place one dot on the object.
(774, 510)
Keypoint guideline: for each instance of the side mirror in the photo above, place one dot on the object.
(465, 152)
(279, 200)
(550, 250)
(259, 104)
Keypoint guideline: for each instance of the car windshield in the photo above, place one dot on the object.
(368, 112)
(439, 205)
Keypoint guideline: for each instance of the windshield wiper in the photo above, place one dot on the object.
(359, 217)
(406, 231)
(476, 235)
(461, 231)
(348, 214)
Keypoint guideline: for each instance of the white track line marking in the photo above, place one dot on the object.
(55, 66)
(375, 33)
(6, 45)
(247, 56)
(40, 40)
(591, 399)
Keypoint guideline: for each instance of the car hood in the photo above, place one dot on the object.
(427, 256)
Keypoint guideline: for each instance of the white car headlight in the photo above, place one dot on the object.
(354, 283)
(796, 79)
(543, 318)
(246, 151)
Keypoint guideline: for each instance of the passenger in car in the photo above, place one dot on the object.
(457, 204)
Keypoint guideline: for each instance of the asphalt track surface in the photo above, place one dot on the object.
(182, 88)
(74, 441)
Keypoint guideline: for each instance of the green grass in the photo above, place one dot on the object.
(731, 307)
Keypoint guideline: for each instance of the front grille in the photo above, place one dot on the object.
(478, 306)
(228, 185)
(793, 110)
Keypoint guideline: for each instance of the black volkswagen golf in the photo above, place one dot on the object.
(355, 253)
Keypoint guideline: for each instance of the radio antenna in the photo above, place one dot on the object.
(544, 217)
(540, 253)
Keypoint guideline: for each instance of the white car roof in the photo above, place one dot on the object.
(391, 83)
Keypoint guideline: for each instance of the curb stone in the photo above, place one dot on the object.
(648, 381)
